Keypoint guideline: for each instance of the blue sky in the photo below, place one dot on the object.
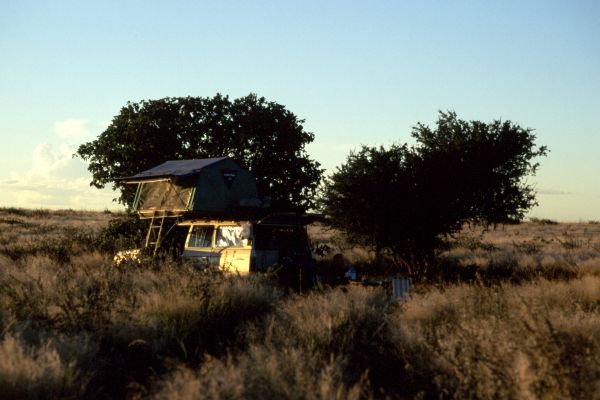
(359, 73)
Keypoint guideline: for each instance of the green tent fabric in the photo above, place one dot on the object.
(202, 185)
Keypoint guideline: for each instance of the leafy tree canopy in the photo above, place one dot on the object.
(261, 136)
(405, 200)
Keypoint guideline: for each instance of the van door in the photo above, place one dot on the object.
(233, 243)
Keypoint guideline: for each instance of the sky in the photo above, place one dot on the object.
(356, 72)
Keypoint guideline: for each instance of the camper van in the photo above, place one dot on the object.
(244, 246)
(275, 242)
(209, 210)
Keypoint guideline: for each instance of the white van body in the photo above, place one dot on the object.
(243, 246)
(224, 244)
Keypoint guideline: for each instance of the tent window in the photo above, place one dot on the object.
(201, 236)
(163, 195)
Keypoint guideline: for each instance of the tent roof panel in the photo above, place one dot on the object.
(175, 168)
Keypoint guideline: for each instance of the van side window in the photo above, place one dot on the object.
(231, 236)
(201, 236)
(282, 239)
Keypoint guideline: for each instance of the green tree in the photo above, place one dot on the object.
(406, 200)
(260, 135)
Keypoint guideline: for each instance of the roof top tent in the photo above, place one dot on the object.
(208, 185)
(205, 186)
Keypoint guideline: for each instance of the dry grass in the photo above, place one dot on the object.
(58, 234)
(538, 340)
(262, 373)
(527, 251)
(510, 252)
(516, 315)
(33, 372)
(334, 242)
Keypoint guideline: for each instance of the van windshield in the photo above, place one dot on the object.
(201, 236)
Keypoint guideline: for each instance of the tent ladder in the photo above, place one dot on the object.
(155, 230)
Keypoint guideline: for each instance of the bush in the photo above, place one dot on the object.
(122, 233)
(405, 200)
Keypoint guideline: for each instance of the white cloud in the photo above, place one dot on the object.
(71, 128)
(46, 161)
(54, 180)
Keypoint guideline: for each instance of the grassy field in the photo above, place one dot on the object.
(513, 313)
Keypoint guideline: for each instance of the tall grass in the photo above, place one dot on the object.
(520, 319)
(34, 371)
(538, 340)
(262, 373)
(516, 253)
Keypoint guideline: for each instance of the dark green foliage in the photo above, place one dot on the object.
(122, 233)
(262, 136)
(404, 200)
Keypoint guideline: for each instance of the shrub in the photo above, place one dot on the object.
(543, 221)
(406, 200)
(122, 233)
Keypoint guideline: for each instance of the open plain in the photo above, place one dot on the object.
(511, 312)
